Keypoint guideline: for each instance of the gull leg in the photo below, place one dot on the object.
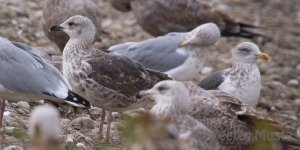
(102, 119)
(109, 119)
(2, 107)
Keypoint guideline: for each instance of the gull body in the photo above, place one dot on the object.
(180, 55)
(243, 80)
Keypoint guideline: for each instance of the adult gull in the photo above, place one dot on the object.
(26, 76)
(181, 55)
(159, 17)
(173, 101)
(243, 79)
(109, 81)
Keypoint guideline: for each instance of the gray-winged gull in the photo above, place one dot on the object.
(173, 101)
(44, 128)
(159, 17)
(237, 125)
(243, 79)
(108, 81)
(181, 55)
(55, 11)
(26, 76)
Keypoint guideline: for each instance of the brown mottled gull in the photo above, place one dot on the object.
(159, 17)
(109, 81)
(173, 101)
(57, 11)
(243, 79)
(237, 125)
(26, 76)
(180, 55)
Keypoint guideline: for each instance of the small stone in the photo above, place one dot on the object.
(13, 147)
(293, 82)
(82, 123)
(297, 102)
(81, 146)
(70, 142)
(95, 113)
(9, 130)
(23, 105)
(298, 132)
(206, 70)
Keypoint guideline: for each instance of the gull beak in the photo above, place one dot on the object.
(263, 56)
(186, 42)
(56, 28)
(145, 93)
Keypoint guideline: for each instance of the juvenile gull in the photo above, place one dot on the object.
(243, 80)
(181, 55)
(55, 11)
(159, 17)
(173, 101)
(26, 76)
(108, 81)
(44, 128)
(237, 125)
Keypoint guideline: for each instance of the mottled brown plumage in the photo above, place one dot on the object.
(159, 17)
(236, 125)
(108, 81)
(57, 11)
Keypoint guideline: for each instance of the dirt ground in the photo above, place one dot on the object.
(20, 20)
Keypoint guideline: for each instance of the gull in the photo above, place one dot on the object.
(236, 125)
(159, 17)
(60, 10)
(44, 128)
(108, 81)
(180, 55)
(27, 76)
(173, 101)
(243, 80)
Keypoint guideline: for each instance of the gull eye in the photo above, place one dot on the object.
(71, 24)
(162, 88)
(244, 50)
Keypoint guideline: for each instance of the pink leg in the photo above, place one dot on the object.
(109, 119)
(102, 119)
(2, 107)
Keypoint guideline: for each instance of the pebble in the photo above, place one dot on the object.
(82, 123)
(70, 142)
(23, 105)
(13, 147)
(293, 82)
(81, 146)
(9, 130)
(95, 113)
(206, 70)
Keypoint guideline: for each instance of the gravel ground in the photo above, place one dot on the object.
(280, 98)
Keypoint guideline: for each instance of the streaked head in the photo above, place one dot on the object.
(77, 27)
(248, 52)
(204, 35)
(169, 92)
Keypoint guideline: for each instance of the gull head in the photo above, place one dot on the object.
(77, 27)
(169, 93)
(204, 35)
(248, 52)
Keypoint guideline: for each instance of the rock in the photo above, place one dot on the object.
(82, 123)
(297, 102)
(206, 70)
(9, 130)
(298, 132)
(23, 105)
(81, 146)
(66, 111)
(70, 145)
(13, 147)
(293, 82)
(95, 113)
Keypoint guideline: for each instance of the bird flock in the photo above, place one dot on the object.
(211, 113)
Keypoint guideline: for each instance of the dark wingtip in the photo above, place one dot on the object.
(243, 33)
(77, 99)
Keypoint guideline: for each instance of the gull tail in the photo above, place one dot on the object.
(76, 100)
